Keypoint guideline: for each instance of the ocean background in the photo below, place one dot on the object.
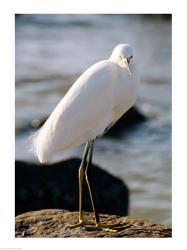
(53, 50)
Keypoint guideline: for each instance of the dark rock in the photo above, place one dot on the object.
(158, 17)
(55, 223)
(129, 121)
(56, 186)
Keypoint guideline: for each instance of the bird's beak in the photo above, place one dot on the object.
(126, 62)
(127, 65)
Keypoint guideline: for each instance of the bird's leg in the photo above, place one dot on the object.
(84, 168)
(81, 177)
(89, 180)
(90, 183)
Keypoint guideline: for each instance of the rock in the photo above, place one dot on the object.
(56, 186)
(159, 17)
(127, 122)
(54, 223)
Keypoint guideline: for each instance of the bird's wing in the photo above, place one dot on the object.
(82, 114)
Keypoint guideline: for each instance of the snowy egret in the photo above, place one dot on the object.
(97, 99)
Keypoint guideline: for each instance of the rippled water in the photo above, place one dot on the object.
(52, 50)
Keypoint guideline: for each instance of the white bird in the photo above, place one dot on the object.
(97, 99)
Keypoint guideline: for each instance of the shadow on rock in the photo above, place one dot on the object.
(56, 186)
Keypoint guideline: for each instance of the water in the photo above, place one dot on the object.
(52, 50)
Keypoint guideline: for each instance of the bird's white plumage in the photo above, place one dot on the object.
(99, 97)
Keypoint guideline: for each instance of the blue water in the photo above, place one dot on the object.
(52, 50)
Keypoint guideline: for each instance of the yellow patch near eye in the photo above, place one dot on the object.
(121, 57)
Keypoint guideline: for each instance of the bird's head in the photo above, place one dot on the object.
(122, 54)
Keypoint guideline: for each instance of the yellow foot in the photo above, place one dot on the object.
(99, 227)
(92, 226)
(82, 223)
(108, 228)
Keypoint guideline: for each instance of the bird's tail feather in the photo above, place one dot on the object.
(35, 145)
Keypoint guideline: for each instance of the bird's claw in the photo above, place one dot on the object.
(99, 227)
(92, 226)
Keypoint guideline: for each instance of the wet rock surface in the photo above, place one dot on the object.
(56, 186)
(56, 222)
